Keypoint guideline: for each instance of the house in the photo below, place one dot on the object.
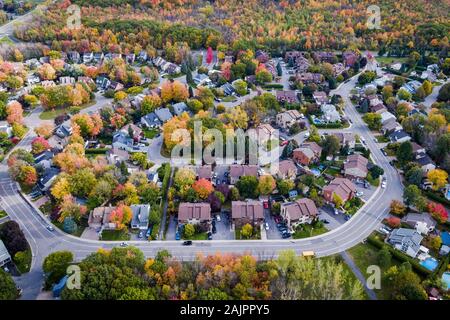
(308, 78)
(391, 126)
(6, 128)
(74, 56)
(306, 153)
(425, 162)
(338, 68)
(142, 56)
(350, 58)
(298, 212)
(163, 114)
(262, 56)
(141, 212)
(67, 80)
(115, 156)
(122, 141)
(243, 212)
(115, 86)
(5, 257)
(355, 167)
(87, 80)
(204, 172)
(422, 222)
(237, 171)
(378, 108)
(33, 79)
(88, 57)
(286, 170)
(417, 149)
(107, 224)
(98, 57)
(341, 187)
(95, 219)
(194, 213)
(150, 120)
(47, 178)
(346, 138)
(103, 82)
(286, 119)
(129, 58)
(48, 84)
(201, 79)
(228, 89)
(406, 240)
(399, 136)
(137, 132)
(286, 96)
(179, 108)
(64, 130)
(320, 97)
(330, 114)
(44, 159)
(325, 56)
(386, 116)
(265, 132)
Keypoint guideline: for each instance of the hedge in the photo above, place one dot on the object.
(399, 255)
(273, 86)
(96, 151)
(437, 198)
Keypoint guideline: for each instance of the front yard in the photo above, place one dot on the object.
(309, 230)
(52, 114)
(256, 234)
(115, 235)
(150, 133)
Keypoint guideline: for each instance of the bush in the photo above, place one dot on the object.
(96, 151)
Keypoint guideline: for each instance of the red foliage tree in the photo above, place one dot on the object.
(39, 144)
(438, 212)
(209, 55)
(393, 222)
(203, 188)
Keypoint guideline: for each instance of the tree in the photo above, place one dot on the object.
(263, 77)
(438, 177)
(150, 103)
(405, 284)
(397, 208)
(331, 145)
(8, 289)
(247, 186)
(120, 95)
(337, 200)
(44, 130)
(121, 216)
(241, 87)
(14, 113)
(13, 237)
(376, 171)
(69, 208)
(403, 94)
(82, 182)
(444, 93)
(412, 195)
(266, 184)
(414, 175)
(203, 188)
(209, 55)
(46, 72)
(438, 212)
(155, 216)
(366, 77)
(394, 222)
(384, 257)
(234, 194)
(61, 188)
(247, 231)
(184, 178)
(373, 120)
(189, 231)
(404, 153)
(39, 145)
(284, 186)
(427, 87)
(55, 266)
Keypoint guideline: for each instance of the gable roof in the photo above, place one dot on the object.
(251, 209)
(341, 186)
(300, 208)
(199, 211)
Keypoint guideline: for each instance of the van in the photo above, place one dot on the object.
(308, 254)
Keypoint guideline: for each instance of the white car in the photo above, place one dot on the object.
(363, 141)
(50, 228)
(307, 135)
(218, 218)
(336, 211)
(267, 226)
(359, 194)
(383, 184)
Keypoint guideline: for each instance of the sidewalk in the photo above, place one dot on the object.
(348, 260)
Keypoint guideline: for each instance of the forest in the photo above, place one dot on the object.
(275, 25)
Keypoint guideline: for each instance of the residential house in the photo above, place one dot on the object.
(228, 89)
(67, 80)
(95, 219)
(265, 132)
(412, 86)
(179, 108)
(422, 222)
(47, 178)
(306, 153)
(122, 141)
(129, 58)
(356, 167)
(151, 120)
(399, 136)
(6, 128)
(107, 223)
(286, 170)
(386, 116)
(201, 79)
(142, 56)
(330, 114)
(320, 97)
(391, 126)
(341, 187)
(74, 56)
(243, 212)
(98, 57)
(338, 68)
(64, 130)
(88, 57)
(350, 58)
(325, 56)
(308, 78)
(204, 172)
(44, 159)
(163, 114)
(87, 80)
(237, 171)
(103, 82)
(425, 162)
(287, 118)
(406, 240)
(262, 56)
(115, 86)
(346, 138)
(417, 149)
(298, 212)
(115, 156)
(33, 79)
(5, 257)
(48, 84)
(379, 108)
(137, 132)
(286, 96)
(141, 213)
(194, 213)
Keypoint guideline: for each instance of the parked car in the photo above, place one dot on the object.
(209, 236)
(266, 225)
(124, 244)
(359, 194)
(383, 184)
(283, 143)
(266, 204)
(336, 211)
(148, 233)
(50, 228)
(141, 234)
(187, 243)
(214, 229)
(218, 217)
(286, 235)
(325, 221)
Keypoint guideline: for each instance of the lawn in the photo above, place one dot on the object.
(6, 40)
(332, 171)
(255, 236)
(150, 133)
(307, 231)
(382, 139)
(52, 114)
(3, 214)
(115, 235)
(390, 60)
(24, 265)
(80, 228)
(229, 99)
(365, 255)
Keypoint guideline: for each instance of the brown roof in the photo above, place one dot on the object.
(312, 146)
(344, 137)
(416, 147)
(300, 208)
(356, 161)
(198, 211)
(341, 186)
(289, 96)
(252, 210)
(98, 213)
(204, 172)
(237, 170)
(286, 167)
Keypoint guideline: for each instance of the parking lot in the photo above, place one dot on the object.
(273, 232)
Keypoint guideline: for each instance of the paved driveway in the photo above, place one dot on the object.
(172, 229)
(273, 232)
(223, 229)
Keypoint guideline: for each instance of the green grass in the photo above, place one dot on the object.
(3, 214)
(150, 133)
(52, 114)
(6, 40)
(24, 265)
(77, 233)
(229, 99)
(382, 139)
(332, 171)
(115, 235)
(255, 236)
(307, 231)
(365, 255)
(390, 60)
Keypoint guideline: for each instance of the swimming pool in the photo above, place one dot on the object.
(446, 279)
(316, 172)
(429, 263)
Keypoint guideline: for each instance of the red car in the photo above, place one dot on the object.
(266, 205)
(283, 143)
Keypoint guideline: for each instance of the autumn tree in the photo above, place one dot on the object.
(203, 188)
(14, 113)
(39, 145)
(438, 212)
(438, 177)
(266, 184)
(44, 130)
(121, 216)
(397, 208)
(247, 231)
(70, 209)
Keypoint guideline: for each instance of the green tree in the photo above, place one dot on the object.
(284, 186)
(55, 266)
(404, 153)
(384, 257)
(8, 289)
(373, 120)
(247, 231)
(241, 87)
(330, 145)
(189, 231)
(248, 187)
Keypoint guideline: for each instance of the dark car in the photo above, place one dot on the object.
(286, 235)
(214, 230)
(325, 221)
(209, 236)
(187, 243)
